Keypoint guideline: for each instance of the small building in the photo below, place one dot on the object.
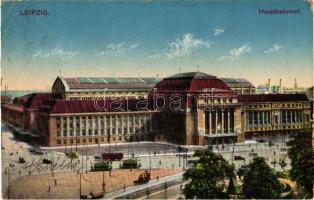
(240, 85)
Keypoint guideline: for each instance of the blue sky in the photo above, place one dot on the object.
(104, 38)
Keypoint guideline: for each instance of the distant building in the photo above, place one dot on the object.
(6, 99)
(187, 108)
(240, 85)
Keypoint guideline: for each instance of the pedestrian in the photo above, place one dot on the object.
(55, 181)
(49, 188)
(124, 187)
(157, 178)
(19, 172)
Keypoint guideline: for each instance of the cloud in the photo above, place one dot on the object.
(310, 2)
(182, 47)
(275, 48)
(116, 49)
(57, 52)
(236, 53)
(219, 31)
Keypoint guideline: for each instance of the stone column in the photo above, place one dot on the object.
(122, 124)
(61, 127)
(116, 125)
(258, 119)
(247, 121)
(210, 122)
(145, 123)
(68, 126)
(105, 125)
(86, 126)
(290, 116)
(127, 124)
(74, 126)
(151, 123)
(222, 121)
(216, 121)
(110, 124)
(295, 116)
(133, 123)
(98, 125)
(80, 125)
(93, 126)
(263, 118)
(286, 120)
(234, 121)
(140, 123)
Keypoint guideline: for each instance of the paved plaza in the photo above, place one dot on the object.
(68, 183)
(154, 156)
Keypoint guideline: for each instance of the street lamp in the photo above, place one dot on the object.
(103, 180)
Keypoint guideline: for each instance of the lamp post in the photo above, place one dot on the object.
(103, 179)
(80, 185)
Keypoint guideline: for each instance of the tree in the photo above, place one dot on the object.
(260, 182)
(211, 177)
(301, 155)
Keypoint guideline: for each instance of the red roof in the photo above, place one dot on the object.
(271, 97)
(90, 106)
(34, 100)
(192, 82)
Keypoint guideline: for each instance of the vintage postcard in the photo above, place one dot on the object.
(145, 99)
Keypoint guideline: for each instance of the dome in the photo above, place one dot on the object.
(192, 82)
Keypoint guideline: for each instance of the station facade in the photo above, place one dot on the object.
(187, 108)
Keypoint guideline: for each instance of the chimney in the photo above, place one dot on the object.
(268, 86)
(279, 89)
(295, 84)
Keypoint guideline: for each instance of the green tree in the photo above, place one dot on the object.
(301, 155)
(260, 182)
(211, 177)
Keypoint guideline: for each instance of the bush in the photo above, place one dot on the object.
(280, 174)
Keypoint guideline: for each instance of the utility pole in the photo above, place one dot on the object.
(150, 160)
(103, 179)
(80, 185)
(71, 154)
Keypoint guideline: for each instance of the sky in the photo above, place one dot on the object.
(156, 38)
